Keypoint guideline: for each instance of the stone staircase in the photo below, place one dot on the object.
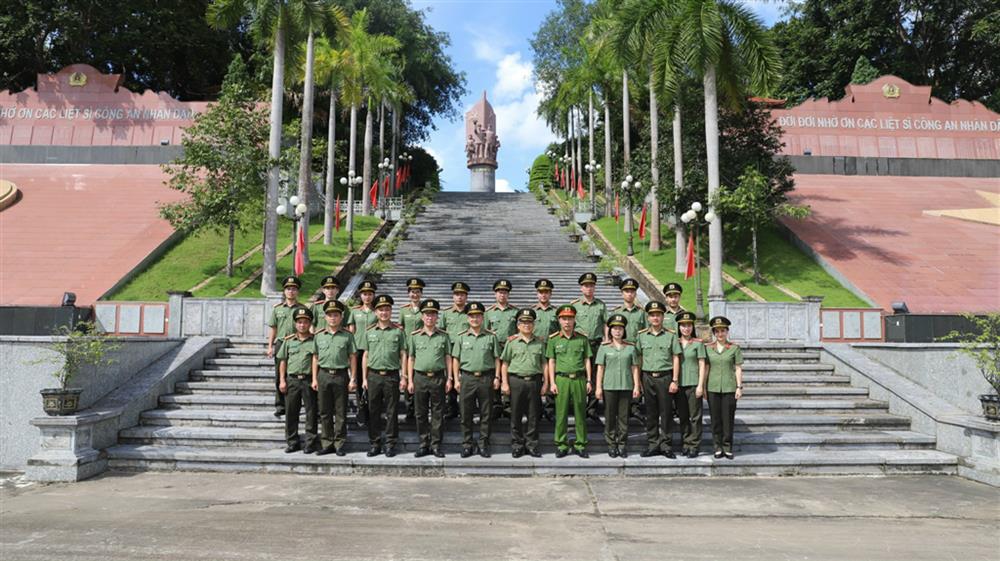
(798, 415)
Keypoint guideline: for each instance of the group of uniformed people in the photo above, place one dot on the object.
(501, 358)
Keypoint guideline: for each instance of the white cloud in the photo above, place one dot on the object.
(514, 77)
(518, 123)
(503, 186)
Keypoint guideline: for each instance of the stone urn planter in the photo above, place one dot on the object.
(575, 238)
(61, 401)
(991, 407)
(564, 222)
(593, 258)
(73, 349)
(613, 279)
(551, 210)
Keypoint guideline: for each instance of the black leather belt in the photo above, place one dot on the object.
(487, 373)
(300, 376)
(571, 375)
(658, 373)
(333, 371)
(525, 376)
(384, 372)
(430, 373)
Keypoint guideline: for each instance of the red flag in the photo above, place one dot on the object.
(336, 214)
(689, 272)
(373, 193)
(642, 224)
(555, 173)
(572, 177)
(616, 208)
(385, 188)
(300, 249)
(579, 189)
(399, 177)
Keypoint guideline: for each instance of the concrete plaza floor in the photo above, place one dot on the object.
(287, 517)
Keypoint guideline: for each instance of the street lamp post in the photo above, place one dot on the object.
(350, 181)
(629, 189)
(383, 168)
(691, 218)
(405, 158)
(591, 168)
(294, 210)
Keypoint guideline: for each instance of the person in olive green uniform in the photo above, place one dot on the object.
(280, 325)
(523, 378)
(672, 294)
(330, 288)
(336, 377)
(632, 311)
(724, 385)
(617, 384)
(454, 321)
(501, 319)
(476, 357)
(409, 318)
(429, 377)
(660, 352)
(358, 321)
(591, 314)
(384, 345)
(692, 384)
(545, 313)
(568, 353)
(297, 364)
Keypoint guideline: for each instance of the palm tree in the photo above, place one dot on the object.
(331, 67)
(275, 23)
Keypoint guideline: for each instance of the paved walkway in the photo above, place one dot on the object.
(247, 516)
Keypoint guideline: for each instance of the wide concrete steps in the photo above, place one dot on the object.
(785, 462)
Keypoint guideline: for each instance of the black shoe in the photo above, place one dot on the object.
(279, 413)
(293, 448)
(466, 452)
(622, 453)
(485, 452)
(730, 456)
(583, 454)
(374, 451)
(422, 452)
(612, 452)
(561, 453)
(670, 454)
(692, 454)
(438, 453)
(390, 451)
(718, 454)
(312, 448)
(534, 453)
(517, 453)
(327, 450)
(649, 453)
(341, 451)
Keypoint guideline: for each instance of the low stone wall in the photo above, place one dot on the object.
(771, 322)
(21, 382)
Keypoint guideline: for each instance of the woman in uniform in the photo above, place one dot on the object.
(725, 385)
(617, 384)
(693, 372)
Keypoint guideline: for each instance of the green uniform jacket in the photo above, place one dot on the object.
(670, 319)
(334, 349)
(524, 357)
(617, 365)
(410, 319)
(429, 352)
(690, 354)
(570, 352)
(361, 319)
(476, 353)
(590, 318)
(722, 367)
(298, 354)
(319, 316)
(502, 322)
(454, 321)
(658, 350)
(636, 320)
(383, 346)
(281, 319)
(545, 321)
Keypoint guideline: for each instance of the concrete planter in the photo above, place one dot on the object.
(575, 238)
(563, 222)
(61, 401)
(582, 217)
(613, 279)
(991, 407)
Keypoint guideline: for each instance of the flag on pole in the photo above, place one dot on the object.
(385, 188)
(399, 178)
(555, 173)
(336, 214)
(642, 224)
(373, 193)
(579, 189)
(689, 272)
(616, 208)
(300, 249)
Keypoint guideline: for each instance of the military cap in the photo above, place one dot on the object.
(527, 314)
(566, 311)
(302, 312)
(617, 320)
(672, 288)
(415, 283)
(330, 282)
(587, 278)
(502, 284)
(291, 281)
(333, 306)
(543, 284)
(474, 308)
(629, 284)
(430, 305)
(719, 321)
(367, 286)
(459, 287)
(685, 317)
(383, 300)
(654, 307)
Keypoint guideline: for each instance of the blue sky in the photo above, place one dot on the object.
(490, 43)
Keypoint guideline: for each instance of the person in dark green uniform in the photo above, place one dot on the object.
(329, 290)
(617, 384)
(359, 320)
(454, 321)
(280, 325)
(632, 311)
(409, 318)
(501, 319)
(297, 364)
(724, 385)
(335, 378)
(476, 357)
(523, 378)
(570, 379)
(660, 366)
(672, 292)
(692, 384)
(384, 346)
(591, 314)
(545, 313)
(429, 377)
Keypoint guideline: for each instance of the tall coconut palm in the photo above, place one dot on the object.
(331, 67)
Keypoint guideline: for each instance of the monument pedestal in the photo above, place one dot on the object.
(482, 179)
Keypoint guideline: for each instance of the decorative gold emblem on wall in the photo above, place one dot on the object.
(890, 91)
(78, 79)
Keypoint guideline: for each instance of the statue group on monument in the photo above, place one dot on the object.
(483, 144)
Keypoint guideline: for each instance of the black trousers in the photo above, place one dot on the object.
(722, 407)
(333, 396)
(525, 400)
(300, 393)
(477, 395)
(383, 396)
(659, 412)
(279, 398)
(428, 396)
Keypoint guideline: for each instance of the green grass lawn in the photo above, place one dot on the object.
(780, 261)
(201, 255)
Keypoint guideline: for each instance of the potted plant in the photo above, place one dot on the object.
(75, 349)
(574, 235)
(607, 266)
(982, 344)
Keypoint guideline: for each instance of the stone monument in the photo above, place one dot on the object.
(481, 146)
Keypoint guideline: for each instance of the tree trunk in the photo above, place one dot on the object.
(394, 158)
(712, 155)
(654, 172)
(625, 142)
(232, 248)
(756, 263)
(351, 172)
(305, 144)
(331, 176)
(579, 148)
(267, 280)
(680, 236)
(590, 149)
(572, 153)
(366, 163)
(608, 203)
(381, 131)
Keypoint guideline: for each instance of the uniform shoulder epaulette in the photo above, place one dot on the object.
(324, 330)
(287, 337)
(512, 337)
(318, 302)
(620, 307)
(575, 301)
(372, 326)
(697, 340)
(554, 334)
(608, 343)
(580, 334)
(439, 330)
(642, 331)
(668, 330)
(538, 307)
(415, 331)
(492, 307)
(489, 331)
(278, 305)
(358, 307)
(463, 332)
(395, 325)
